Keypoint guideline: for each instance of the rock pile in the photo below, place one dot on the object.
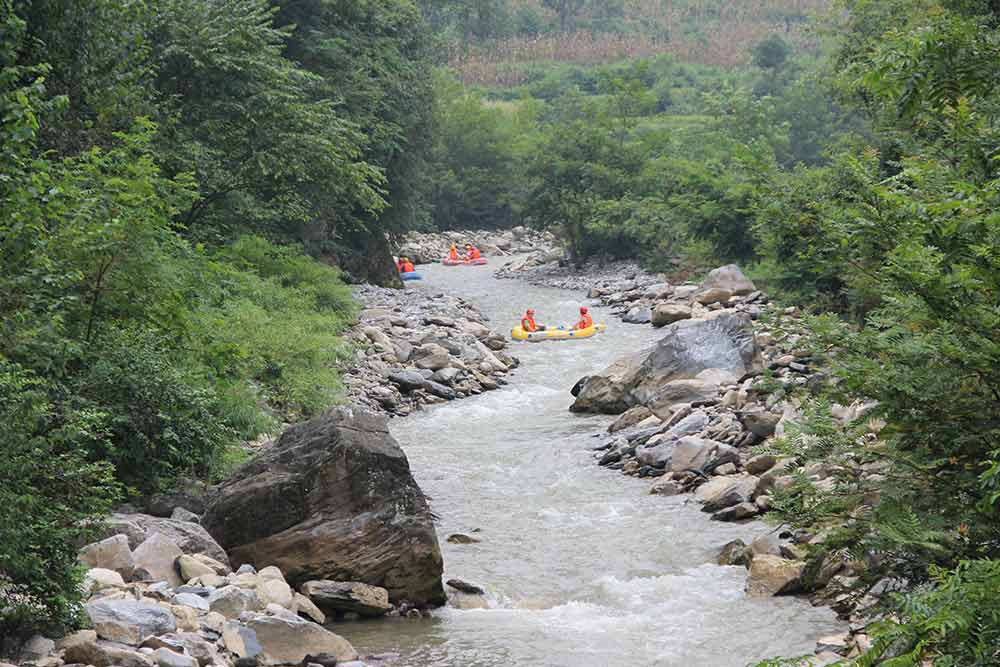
(432, 247)
(416, 349)
(167, 603)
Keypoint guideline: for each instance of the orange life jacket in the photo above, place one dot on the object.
(586, 321)
(528, 323)
(407, 267)
(453, 253)
(474, 253)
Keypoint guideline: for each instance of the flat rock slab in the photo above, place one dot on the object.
(348, 596)
(129, 621)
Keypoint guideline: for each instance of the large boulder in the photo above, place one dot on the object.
(158, 556)
(729, 278)
(723, 342)
(287, 641)
(333, 499)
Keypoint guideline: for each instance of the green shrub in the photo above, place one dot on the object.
(50, 496)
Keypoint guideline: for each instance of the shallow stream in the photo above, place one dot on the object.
(583, 567)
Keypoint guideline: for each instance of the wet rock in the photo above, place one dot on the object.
(773, 575)
(333, 499)
(347, 596)
(733, 553)
(129, 621)
(465, 587)
(460, 538)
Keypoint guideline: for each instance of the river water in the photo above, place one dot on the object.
(583, 567)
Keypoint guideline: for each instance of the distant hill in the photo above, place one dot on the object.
(491, 42)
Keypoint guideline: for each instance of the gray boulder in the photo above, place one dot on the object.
(333, 499)
(287, 641)
(638, 315)
(724, 342)
(112, 553)
(129, 621)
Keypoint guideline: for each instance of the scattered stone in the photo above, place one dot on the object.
(733, 553)
(460, 538)
(232, 601)
(465, 587)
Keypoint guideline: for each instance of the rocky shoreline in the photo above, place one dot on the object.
(326, 525)
(415, 351)
(697, 411)
(429, 248)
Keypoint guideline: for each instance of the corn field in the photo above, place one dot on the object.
(709, 32)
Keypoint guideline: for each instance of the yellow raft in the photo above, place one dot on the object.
(556, 333)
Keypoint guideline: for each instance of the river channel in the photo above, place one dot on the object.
(583, 567)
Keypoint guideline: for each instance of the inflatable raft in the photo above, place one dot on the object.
(447, 261)
(411, 275)
(556, 333)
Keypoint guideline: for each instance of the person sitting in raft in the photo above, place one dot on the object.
(406, 266)
(586, 321)
(528, 322)
(453, 253)
(471, 252)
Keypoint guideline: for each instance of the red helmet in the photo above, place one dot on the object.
(531, 311)
(583, 310)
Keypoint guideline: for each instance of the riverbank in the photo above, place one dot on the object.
(700, 413)
(417, 347)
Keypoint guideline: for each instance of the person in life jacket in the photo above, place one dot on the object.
(399, 264)
(471, 252)
(586, 321)
(406, 266)
(528, 322)
(453, 253)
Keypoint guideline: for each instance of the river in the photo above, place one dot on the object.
(583, 567)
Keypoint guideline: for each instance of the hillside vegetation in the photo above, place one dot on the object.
(490, 42)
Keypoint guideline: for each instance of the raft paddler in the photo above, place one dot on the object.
(586, 321)
(453, 253)
(472, 252)
(528, 322)
(405, 265)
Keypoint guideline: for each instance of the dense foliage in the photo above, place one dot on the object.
(165, 166)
